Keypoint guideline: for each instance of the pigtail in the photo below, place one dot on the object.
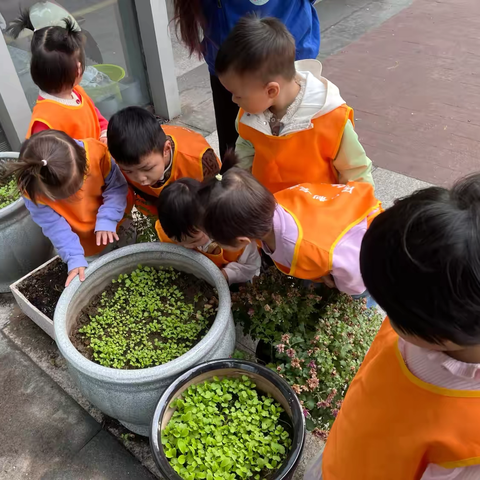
(21, 23)
(51, 165)
(28, 174)
(70, 26)
(230, 160)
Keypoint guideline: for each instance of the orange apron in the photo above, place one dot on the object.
(285, 161)
(80, 121)
(220, 260)
(189, 148)
(80, 210)
(392, 424)
(324, 213)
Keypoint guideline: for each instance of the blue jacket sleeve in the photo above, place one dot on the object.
(57, 229)
(114, 201)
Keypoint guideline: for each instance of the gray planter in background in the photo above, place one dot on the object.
(132, 395)
(23, 247)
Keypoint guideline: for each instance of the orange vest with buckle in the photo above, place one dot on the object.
(80, 210)
(189, 148)
(324, 213)
(220, 259)
(79, 121)
(392, 424)
(284, 161)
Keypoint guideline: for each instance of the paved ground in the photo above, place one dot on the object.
(414, 85)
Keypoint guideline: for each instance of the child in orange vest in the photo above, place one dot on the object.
(293, 125)
(179, 217)
(151, 156)
(74, 191)
(57, 66)
(310, 231)
(413, 410)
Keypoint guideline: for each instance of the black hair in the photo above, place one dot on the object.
(56, 52)
(51, 165)
(133, 133)
(420, 260)
(236, 205)
(179, 209)
(262, 46)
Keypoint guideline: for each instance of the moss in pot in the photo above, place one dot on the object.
(8, 192)
(228, 419)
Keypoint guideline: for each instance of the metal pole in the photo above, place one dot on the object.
(15, 112)
(157, 47)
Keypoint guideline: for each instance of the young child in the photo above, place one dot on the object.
(57, 66)
(293, 126)
(74, 191)
(413, 409)
(151, 156)
(310, 231)
(179, 217)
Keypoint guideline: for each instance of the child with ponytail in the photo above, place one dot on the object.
(179, 221)
(310, 231)
(74, 191)
(57, 66)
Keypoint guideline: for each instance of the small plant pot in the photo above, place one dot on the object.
(23, 246)
(26, 306)
(132, 395)
(267, 382)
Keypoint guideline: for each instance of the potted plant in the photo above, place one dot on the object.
(112, 365)
(37, 293)
(228, 419)
(23, 246)
(314, 337)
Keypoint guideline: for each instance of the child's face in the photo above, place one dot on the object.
(198, 239)
(239, 244)
(150, 171)
(250, 92)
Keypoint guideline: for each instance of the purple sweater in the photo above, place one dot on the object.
(57, 229)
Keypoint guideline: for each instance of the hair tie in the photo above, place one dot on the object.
(218, 177)
(44, 162)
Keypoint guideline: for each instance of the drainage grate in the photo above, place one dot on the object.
(4, 146)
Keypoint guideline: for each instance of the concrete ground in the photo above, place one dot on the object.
(48, 430)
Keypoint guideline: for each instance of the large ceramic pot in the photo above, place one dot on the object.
(23, 247)
(132, 395)
(267, 382)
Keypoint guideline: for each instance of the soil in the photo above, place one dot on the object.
(189, 284)
(43, 289)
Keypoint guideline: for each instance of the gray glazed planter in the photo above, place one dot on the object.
(132, 395)
(23, 247)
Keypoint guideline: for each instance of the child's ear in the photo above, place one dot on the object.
(167, 150)
(243, 241)
(273, 89)
(79, 70)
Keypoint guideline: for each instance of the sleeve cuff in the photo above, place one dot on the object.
(103, 134)
(105, 225)
(76, 262)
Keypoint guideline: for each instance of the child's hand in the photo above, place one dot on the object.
(103, 238)
(104, 140)
(80, 271)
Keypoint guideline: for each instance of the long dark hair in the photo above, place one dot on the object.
(56, 51)
(236, 204)
(190, 20)
(51, 165)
